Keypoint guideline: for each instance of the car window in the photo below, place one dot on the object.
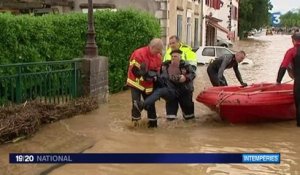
(222, 51)
(208, 52)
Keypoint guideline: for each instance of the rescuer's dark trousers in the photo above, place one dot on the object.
(185, 100)
(297, 98)
(213, 77)
(136, 95)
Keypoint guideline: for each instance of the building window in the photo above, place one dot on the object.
(207, 2)
(216, 4)
(179, 26)
(234, 13)
(196, 33)
(189, 31)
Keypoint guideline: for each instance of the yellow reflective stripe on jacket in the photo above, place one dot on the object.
(135, 84)
(135, 63)
(138, 86)
(148, 90)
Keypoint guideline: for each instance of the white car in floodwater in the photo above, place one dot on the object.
(206, 54)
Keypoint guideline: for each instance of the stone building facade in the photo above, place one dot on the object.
(176, 17)
(196, 22)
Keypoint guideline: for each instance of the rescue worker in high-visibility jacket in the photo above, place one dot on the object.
(144, 65)
(188, 55)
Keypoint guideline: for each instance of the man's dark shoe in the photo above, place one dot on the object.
(139, 105)
(152, 124)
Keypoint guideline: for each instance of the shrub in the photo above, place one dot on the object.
(53, 37)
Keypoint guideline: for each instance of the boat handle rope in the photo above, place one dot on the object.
(222, 99)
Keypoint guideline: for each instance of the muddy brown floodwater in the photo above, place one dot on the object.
(110, 126)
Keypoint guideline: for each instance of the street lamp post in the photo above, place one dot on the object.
(94, 68)
(91, 49)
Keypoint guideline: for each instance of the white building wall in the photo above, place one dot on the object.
(224, 13)
(221, 14)
(234, 23)
(206, 12)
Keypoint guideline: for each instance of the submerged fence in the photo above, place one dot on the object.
(49, 82)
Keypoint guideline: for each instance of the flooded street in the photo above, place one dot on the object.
(112, 130)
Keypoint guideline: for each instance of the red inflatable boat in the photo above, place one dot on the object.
(255, 103)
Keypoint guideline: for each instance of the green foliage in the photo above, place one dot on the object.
(253, 14)
(128, 30)
(63, 37)
(291, 19)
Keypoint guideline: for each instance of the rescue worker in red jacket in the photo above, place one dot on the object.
(144, 66)
(175, 85)
(291, 62)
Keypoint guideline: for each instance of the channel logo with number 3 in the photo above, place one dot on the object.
(276, 18)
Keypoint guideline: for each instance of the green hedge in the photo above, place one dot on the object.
(63, 37)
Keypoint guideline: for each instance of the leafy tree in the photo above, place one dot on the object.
(253, 14)
(291, 19)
